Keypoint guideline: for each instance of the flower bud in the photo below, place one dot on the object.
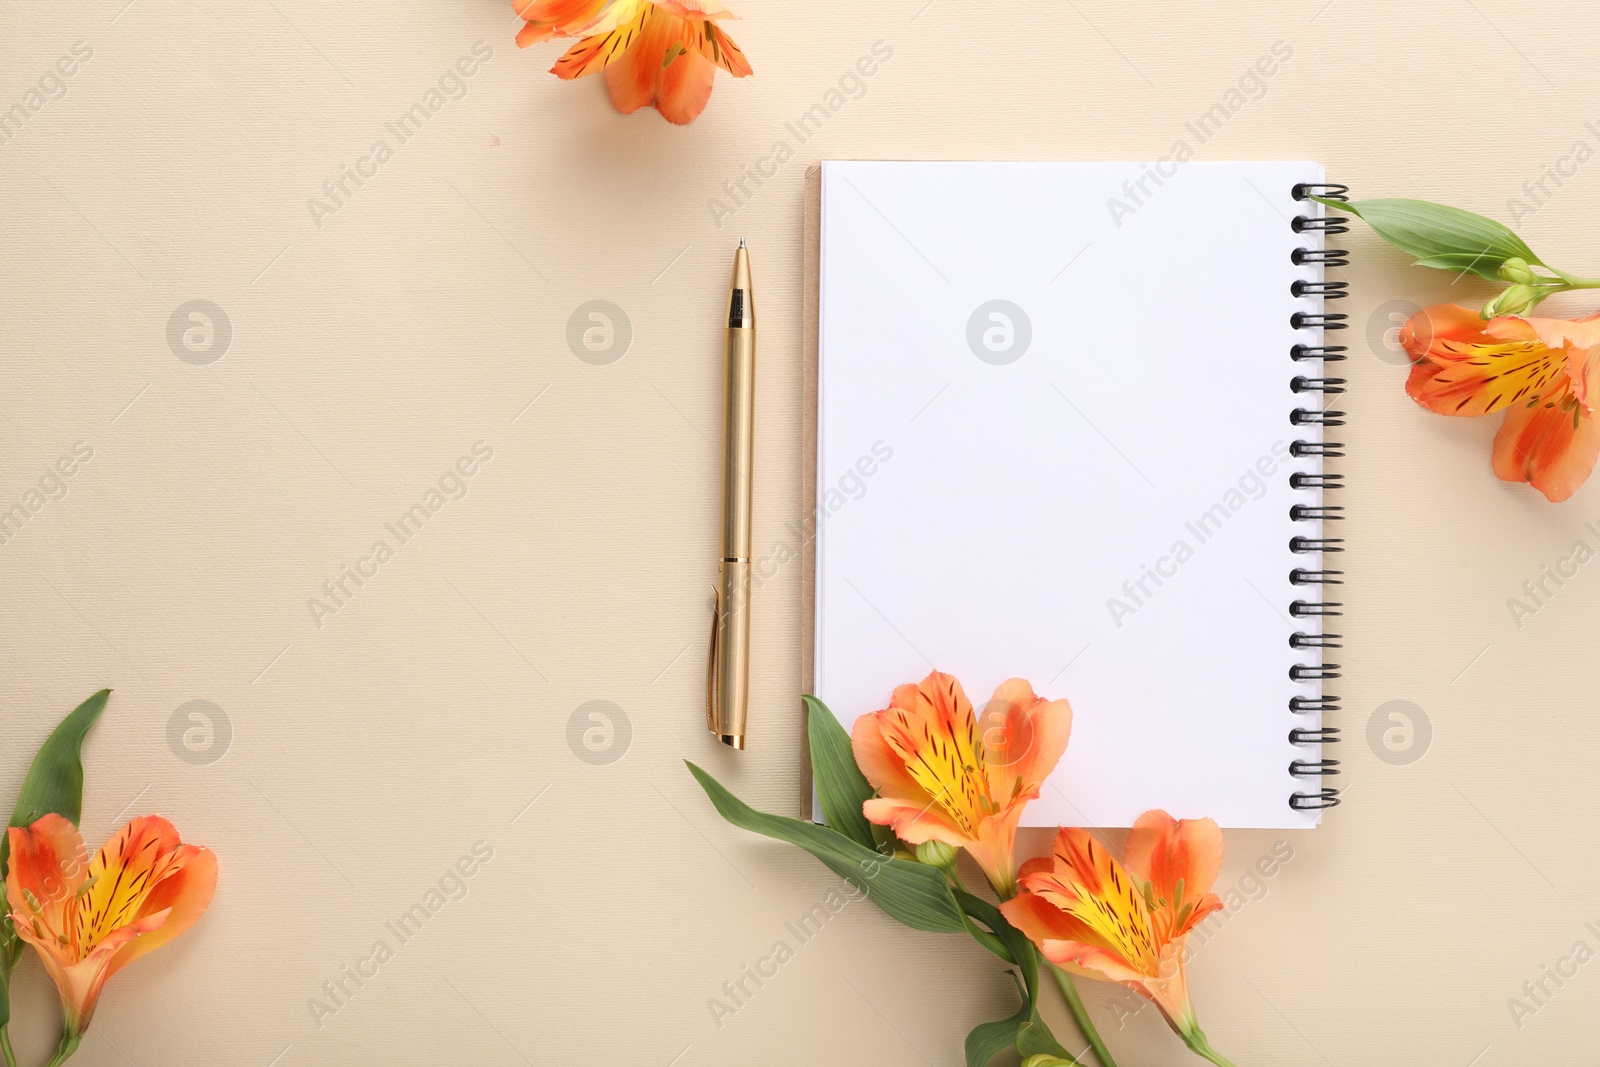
(1517, 299)
(937, 854)
(1045, 1060)
(1516, 269)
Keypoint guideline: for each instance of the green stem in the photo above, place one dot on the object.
(954, 877)
(69, 1045)
(1080, 1014)
(1543, 289)
(6, 965)
(1201, 1047)
(1571, 281)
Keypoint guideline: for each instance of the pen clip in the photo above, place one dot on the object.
(713, 715)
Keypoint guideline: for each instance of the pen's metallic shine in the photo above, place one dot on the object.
(728, 674)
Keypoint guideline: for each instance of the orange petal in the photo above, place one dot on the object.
(879, 764)
(559, 13)
(995, 850)
(183, 888)
(124, 871)
(720, 49)
(672, 65)
(1054, 932)
(1096, 894)
(1460, 378)
(534, 33)
(1552, 446)
(80, 984)
(602, 49)
(48, 864)
(1076, 858)
(1038, 918)
(1437, 325)
(695, 10)
(1024, 736)
(1036, 865)
(1094, 962)
(578, 18)
(1554, 333)
(1583, 374)
(1162, 850)
(1166, 852)
(904, 697)
(938, 744)
(684, 87)
(914, 822)
(1577, 338)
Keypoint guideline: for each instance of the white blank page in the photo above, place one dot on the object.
(1104, 512)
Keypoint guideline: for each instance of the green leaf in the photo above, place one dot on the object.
(910, 892)
(1439, 236)
(1034, 1039)
(1001, 941)
(988, 1040)
(1459, 262)
(1029, 1032)
(55, 781)
(840, 785)
(990, 941)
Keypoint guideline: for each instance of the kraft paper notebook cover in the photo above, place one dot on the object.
(1064, 421)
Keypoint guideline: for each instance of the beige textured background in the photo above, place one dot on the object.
(371, 352)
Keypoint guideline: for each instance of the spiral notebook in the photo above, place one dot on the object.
(1069, 426)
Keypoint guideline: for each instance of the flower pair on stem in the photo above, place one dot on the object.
(948, 778)
(1542, 373)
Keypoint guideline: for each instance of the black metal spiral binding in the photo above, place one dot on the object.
(1312, 224)
(1316, 577)
(1328, 257)
(1330, 290)
(1322, 798)
(1308, 320)
(1326, 386)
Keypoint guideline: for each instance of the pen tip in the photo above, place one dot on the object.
(741, 242)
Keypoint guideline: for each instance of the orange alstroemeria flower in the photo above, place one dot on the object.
(141, 890)
(663, 54)
(1125, 922)
(1543, 373)
(942, 775)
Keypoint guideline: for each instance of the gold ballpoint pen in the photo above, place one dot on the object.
(728, 687)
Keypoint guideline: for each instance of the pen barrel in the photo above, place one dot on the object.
(732, 679)
(738, 441)
(731, 665)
